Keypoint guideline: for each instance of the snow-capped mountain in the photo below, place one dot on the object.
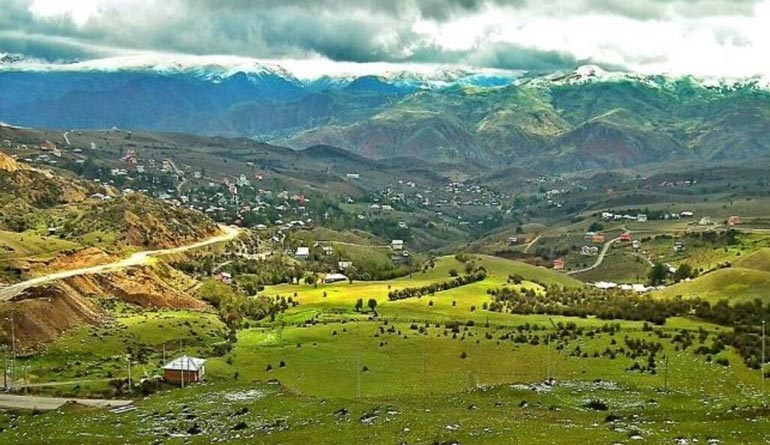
(316, 75)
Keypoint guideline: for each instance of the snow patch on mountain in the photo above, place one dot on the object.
(317, 72)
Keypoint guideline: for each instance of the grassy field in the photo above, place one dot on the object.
(21, 245)
(96, 354)
(759, 260)
(619, 266)
(437, 369)
(735, 284)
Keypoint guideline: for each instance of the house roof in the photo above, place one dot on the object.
(303, 251)
(335, 277)
(185, 363)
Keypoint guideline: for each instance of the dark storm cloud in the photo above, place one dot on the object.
(342, 30)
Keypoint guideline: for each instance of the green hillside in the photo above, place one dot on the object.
(759, 260)
(735, 284)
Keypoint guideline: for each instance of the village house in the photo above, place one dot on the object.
(334, 278)
(598, 238)
(641, 217)
(224, 277)
(47, 145)
(344, 265)
(625, 236)
(589, 251)
(184, 370)
(302, 253)
(679, 246)
(397, 244)
(513, 240)
(733, 220)
(327, 250)
(558, 264)
(636, 244)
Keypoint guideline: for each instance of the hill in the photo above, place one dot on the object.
(57, 202)
(735, 284)
(566, 122)
(759, 260)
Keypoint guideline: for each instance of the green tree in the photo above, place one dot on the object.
(372, 303)
(359, 304)
(683, 272)
(658, 274)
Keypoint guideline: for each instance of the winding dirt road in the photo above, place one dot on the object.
(599, 259)
(137, 259)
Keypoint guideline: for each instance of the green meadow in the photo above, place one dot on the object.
(437, 369)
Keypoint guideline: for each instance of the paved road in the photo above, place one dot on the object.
(136, 259)
(599, 259)
(9, 401)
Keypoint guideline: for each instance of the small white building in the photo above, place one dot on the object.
(397, 244)
(334, 278)
(302, 253)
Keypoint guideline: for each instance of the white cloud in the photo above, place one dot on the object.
(702, 37)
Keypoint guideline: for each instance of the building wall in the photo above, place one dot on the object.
(175, 376)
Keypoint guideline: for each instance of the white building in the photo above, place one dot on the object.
(302, 253)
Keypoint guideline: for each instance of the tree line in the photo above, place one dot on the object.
(416, 292)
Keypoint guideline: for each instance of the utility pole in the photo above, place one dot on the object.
(762, 365)
(550, 339)
(666, 385)
(181, 372)
(13, 352)
(5, 367)
(358, 366)
(128, 359)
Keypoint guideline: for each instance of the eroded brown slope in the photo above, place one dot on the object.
(42, 313)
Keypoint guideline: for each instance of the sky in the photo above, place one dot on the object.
(711, 38)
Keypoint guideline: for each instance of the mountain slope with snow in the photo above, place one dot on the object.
(586, 118)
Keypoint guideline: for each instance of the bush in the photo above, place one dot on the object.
(597, 405)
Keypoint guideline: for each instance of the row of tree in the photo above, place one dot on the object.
(430, 289)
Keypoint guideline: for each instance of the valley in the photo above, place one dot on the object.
(383, 259)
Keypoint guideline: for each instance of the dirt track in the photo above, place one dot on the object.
(136, 259)
(9, 401)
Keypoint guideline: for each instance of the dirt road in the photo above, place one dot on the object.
(136, 259)
(9, 401)
(599, 259)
